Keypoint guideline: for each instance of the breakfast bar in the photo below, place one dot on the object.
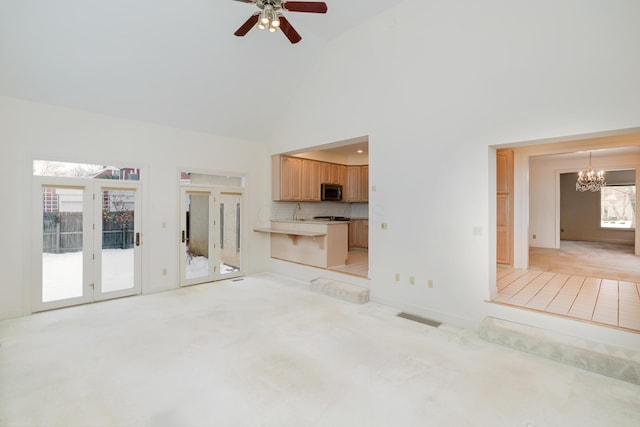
(319, 243)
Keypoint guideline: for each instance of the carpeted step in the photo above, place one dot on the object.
(612, 361)
(340, 290)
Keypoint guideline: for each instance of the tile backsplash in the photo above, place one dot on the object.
(285, 210)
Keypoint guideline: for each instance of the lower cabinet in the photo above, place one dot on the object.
(359, 233)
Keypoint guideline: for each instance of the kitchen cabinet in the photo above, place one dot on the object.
(357, 188)
(310, 180)
(364, 183)
(333, 173)
(286, 180)
(504, 206)
(297, 179)
(325, 173)
(359, 233)
(338, 174)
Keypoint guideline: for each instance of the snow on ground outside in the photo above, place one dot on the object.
(62, 273)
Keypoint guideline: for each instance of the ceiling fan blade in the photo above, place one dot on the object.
(305, 6)
(246, 1)
(289, 31)
(244, 29)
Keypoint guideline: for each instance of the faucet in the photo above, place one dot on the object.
(296, 211)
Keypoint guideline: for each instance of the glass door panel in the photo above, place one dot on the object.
(62, 243)
(196, 237)
(119, 239)
(229, 211)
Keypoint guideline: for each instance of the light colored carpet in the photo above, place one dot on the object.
(591, 259)
(267, 351)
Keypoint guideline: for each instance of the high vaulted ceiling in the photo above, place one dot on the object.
(171, 62)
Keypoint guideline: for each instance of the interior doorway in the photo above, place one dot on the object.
(87, 238)
(552, 271)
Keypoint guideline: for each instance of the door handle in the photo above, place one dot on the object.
(183, 237)
(138, 239)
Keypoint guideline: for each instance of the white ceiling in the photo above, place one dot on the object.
(633, 150)
(171, 62)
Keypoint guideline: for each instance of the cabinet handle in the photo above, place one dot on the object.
(137, 239)
(183, 237)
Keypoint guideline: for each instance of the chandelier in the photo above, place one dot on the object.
(589, 179)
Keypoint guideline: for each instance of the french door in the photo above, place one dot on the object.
(210, 241)
(87, 241)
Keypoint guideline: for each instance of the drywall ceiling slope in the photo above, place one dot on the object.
(167, 62)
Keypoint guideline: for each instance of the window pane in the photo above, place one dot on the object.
(62, 253)
(618, 206)
(83, 170)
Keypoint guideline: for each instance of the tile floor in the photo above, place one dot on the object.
(267, 351)
(357, 263)
(604, 301)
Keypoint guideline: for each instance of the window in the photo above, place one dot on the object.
(618, 206)
(82, 170)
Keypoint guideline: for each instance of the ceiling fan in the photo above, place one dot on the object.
(269, 17)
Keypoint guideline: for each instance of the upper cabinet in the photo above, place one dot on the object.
(286, 180)
(357, 188)
(333, 173)
(310, 181)
(504, 171)
(297, 179)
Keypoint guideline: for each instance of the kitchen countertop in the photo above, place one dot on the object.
(310, 221)
(311, 241)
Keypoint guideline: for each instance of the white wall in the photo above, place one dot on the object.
(434, 85)
(31, 131)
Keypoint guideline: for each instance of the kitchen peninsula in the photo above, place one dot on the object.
(319, 243)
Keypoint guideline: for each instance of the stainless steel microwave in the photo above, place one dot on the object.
(331, 192)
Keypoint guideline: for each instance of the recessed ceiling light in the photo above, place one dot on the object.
(360, 151)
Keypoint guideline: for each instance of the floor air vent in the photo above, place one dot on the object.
(419, 319)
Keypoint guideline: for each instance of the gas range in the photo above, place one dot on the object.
(332, 218)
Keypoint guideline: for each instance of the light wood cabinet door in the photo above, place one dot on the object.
(504, 170)
(364, 184)
(364, 233)
(359, 233)
(290, 178)
(338, 174)
(310, 186)
(504, 206)
(325, 173)
(352, 189)
(357, 188)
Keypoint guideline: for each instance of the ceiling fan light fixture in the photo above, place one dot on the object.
(269, 16)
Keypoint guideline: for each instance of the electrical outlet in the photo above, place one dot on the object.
(397, 277)
(534, 237)
(383, 225)
(164, 271)
(430, 283)
(412, 280)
